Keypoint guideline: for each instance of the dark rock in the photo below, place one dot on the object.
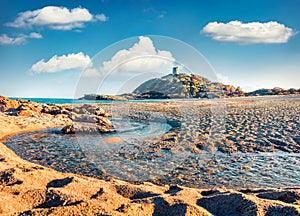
(56, 198)
(69, 129)
(2, 108)
(98, 193)
(59, 183)
(7, 178)
(273, 91)
(103, 97)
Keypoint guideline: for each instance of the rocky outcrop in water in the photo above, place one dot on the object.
(103, 97)
(274, 91)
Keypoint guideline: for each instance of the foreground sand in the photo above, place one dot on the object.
(30, 189)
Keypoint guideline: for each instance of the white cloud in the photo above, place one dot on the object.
(249, 33)
(101, 17)
(141, 57)
(6, 40)
(62, 63)
(21, 39)
(35, 35)
(59, 18)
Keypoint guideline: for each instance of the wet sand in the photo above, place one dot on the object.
(246, 126)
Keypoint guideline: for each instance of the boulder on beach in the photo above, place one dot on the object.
(14, 104)
(69, 129)
(87, 128)
(101, 112)
(26, 113)
(32, 106)
(89, 124)
(89, 119)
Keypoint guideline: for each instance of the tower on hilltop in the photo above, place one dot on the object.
(175, 71)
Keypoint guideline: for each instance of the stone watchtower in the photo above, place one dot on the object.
(175, 71)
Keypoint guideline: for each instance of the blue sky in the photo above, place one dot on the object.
(46, 45)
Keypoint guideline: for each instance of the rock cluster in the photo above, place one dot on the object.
(85, 118)
(20, 107)
(6, 103)
(89, 119)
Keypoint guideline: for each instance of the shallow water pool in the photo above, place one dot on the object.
(123, 155)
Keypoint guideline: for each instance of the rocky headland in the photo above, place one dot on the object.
(182, 85)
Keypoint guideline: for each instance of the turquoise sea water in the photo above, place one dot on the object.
(61, 100)
(76, 101)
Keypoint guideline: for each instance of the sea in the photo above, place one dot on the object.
(81, 101)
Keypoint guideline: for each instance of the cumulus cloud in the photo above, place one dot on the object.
(62, 63)
(141, 57)
(21, 39)
(59, 18)
(249, 33)
(6, 40)
(101, 17)
(35, 35)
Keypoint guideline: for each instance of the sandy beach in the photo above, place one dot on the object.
(244, 125)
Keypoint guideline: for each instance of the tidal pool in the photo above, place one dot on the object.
(103, 155)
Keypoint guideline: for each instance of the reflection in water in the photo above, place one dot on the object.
(99, 155)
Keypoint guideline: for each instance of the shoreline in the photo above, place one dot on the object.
(151, 101)
(32, 189)
(15, 133)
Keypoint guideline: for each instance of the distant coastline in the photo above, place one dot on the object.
(185, 86)
(83, 101)
(174, 86)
